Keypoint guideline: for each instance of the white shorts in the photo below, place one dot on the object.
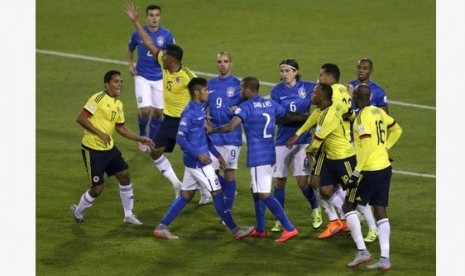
(297, 156)
(261, 178)
(205, 176)
(149, 93)
(230, 155)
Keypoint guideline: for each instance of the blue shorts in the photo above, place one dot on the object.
(98, 162)
(373, 188)
(166, 136)
(335, 172)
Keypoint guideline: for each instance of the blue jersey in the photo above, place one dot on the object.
(259, 119)
(148, 66)
(295, 99)
(192, 135)
(378, 95)
(224, 93)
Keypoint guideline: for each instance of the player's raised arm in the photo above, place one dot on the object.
(133, 13)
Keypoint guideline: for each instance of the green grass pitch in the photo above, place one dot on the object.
(78, 41)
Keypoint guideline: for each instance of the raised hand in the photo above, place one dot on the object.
(131, 11)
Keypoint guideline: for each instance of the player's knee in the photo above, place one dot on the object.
(188, 194)
(156, 153)
(263, 196)
(123, 178)
(326, 191)
(145, 112)
(379, 212)
(157, 113)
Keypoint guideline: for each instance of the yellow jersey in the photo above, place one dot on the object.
(175, 92)
(106, 113)
(341, 99)
(374, 133)
(332, 134)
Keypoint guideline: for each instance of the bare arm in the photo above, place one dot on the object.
(235, 121)
(132, 69)
(124, 131)
(133, 13)
(292, 117)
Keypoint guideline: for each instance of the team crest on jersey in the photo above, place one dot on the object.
(160, 41)
(361, 129)
(92, 106)
(177, 79)
(230, 91)
(96, 179)
(302, 93)
(183, 121)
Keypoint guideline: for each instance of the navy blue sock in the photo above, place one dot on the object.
(155, 124)
(278, 212)
(142, 125)
(310, 196)
(280, 194)
(229, 191)
(260, 209)
(176, 207)
(224, 214)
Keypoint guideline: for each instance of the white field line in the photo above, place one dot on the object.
(104, 60)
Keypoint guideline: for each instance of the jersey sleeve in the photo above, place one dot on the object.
(182, 139)
(132, 41)
(394, 130)
(274, 94)
(92, 104)
(309, 123)
(279, 109)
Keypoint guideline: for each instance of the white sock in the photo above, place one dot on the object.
(84, 203)
(329, 209)
(337, 202)
(164, 165)
(204, 192)
(367, 213)
(341, 193)
(384, 229)
(355, 229)
(127, 198)
(341, 196)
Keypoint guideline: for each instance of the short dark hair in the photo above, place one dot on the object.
(174, 51)
(195, 84)
(327, 90)
(108, 75)
(366, 59)
(332, 69)
(252, 83)
(363, 91)
(152, 7)
(293, 63)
